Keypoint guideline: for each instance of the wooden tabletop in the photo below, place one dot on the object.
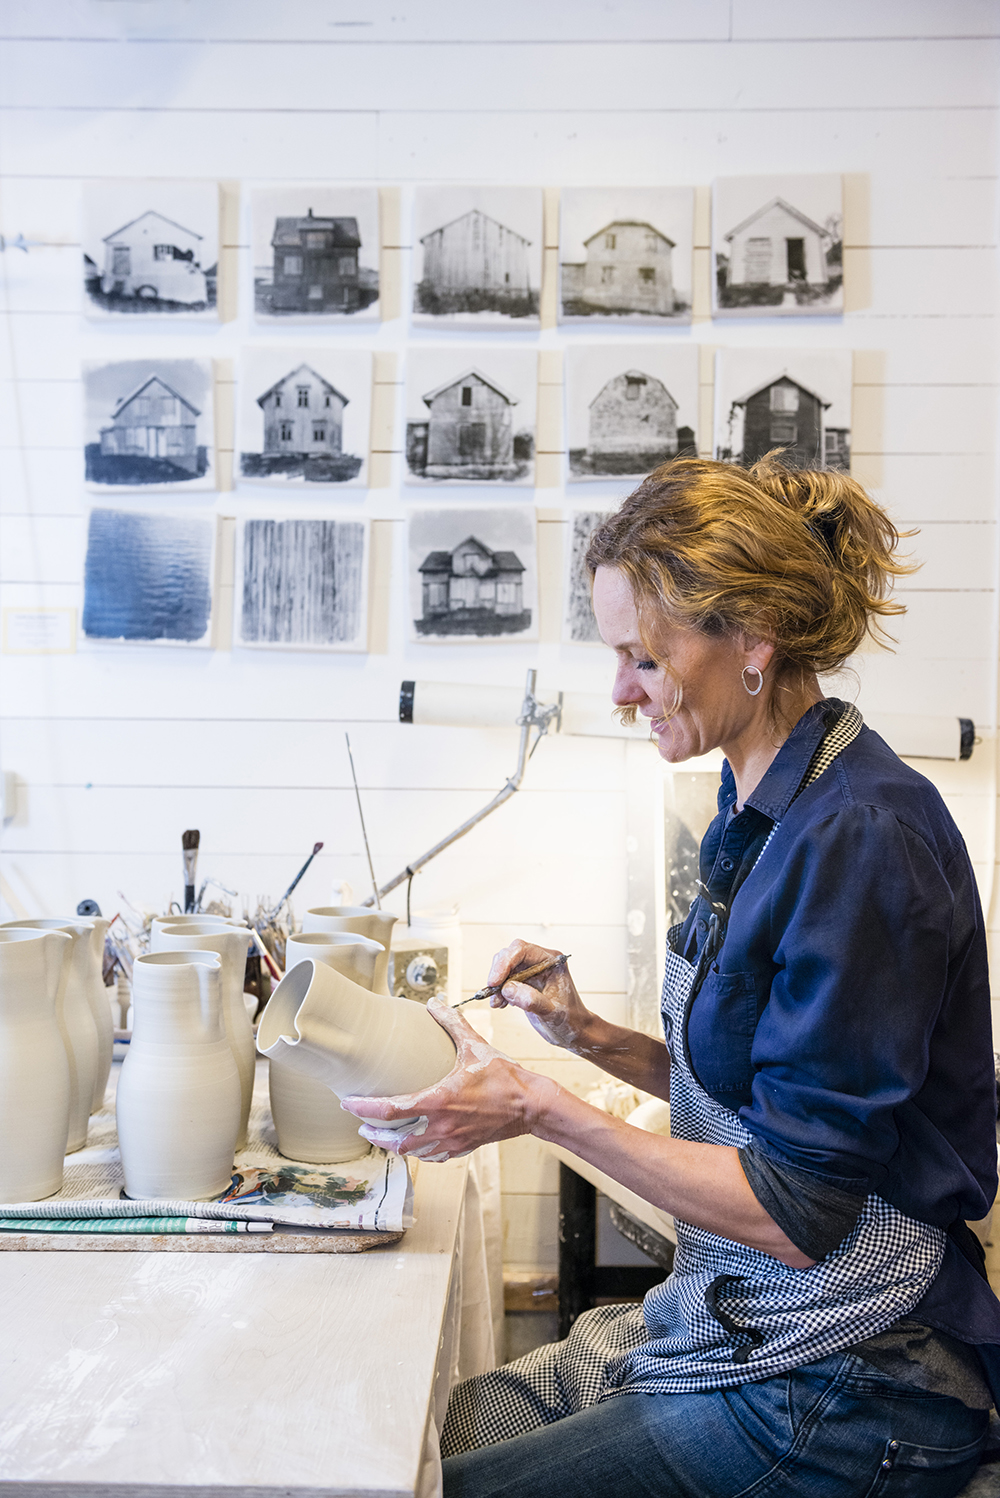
(226, 1374)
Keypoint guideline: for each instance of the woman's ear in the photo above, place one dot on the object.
(757, 652)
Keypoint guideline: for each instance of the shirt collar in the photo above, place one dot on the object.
(779, 783)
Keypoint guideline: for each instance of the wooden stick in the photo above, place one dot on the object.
(519, 977)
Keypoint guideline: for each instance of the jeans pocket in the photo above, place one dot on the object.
(918, 1471)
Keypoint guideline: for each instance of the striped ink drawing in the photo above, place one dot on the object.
(148, 578)
(304, 584)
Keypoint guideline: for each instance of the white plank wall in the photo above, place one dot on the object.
(120, 749)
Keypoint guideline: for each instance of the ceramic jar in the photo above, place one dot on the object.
(363, 921)
(178, 1102)
(308, 1119)
(230, 944)
(34, 1065)
(353, 1041)
(75, 1017)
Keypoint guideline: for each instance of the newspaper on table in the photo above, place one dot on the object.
(372, 1193)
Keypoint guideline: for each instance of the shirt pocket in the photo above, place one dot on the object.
(720, 1035)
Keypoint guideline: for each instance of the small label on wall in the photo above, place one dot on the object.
(39, 631)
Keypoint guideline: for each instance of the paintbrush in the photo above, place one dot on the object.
(520, 976)
(274, 910)
(189, 843)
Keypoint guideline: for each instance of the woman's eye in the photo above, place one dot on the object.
(645, 665)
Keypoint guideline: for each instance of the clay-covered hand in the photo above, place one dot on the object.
(485, 1097)
(550, 1001)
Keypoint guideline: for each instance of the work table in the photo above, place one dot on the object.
(226, 1374)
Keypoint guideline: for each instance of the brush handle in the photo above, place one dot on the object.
(525, 972)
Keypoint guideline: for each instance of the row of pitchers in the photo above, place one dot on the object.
(56, 1042)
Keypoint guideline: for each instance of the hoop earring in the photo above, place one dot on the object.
(753, 691)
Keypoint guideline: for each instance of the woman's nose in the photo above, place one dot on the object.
(627, 688)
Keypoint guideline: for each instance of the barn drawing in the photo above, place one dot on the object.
(628, 269)
(472, 590)
(315, 267)
(154, 259)
(778, 255)
(469, 432)
(303, 430)
(475, 264)
(152, 437)
(784, 413)
(632, 427)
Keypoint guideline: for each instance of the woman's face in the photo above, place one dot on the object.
(715, 709)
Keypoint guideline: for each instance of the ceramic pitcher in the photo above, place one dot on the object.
(100, 1007)
(230, 944)
(34, 1066)
(308, 1119)
(363, 921)
(353, 1041)
(75, 1017)
(178, 1102)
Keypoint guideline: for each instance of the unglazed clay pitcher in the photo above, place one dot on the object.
(309, 1121)
(179, 1092)
(34, 1066)
(363, 921)
(75, 1017)
(353, 1041)
(230, 944)
(100, 1008)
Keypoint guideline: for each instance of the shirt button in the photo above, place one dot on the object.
(702, 926)
(726, 865)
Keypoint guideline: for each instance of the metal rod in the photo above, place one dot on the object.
(361, 817)
(530, 717)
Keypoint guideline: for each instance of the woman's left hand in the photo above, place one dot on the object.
(485, 1097)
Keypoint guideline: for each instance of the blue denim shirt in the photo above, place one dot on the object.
(846, 1018)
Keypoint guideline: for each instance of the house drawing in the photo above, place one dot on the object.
(777, 246)
(628, 269)
(472, 590)
(475, 263)
(303, 415)
(153, 422)
(316, 265)
(784, 413)
(633, 425)
(155, 259)
(468, 434)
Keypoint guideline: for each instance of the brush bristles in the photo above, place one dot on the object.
(190, 840)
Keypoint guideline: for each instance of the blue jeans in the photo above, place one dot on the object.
(833, 1429)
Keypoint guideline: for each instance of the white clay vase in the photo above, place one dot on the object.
(230, 945)
(362, 921)
(34, 1066)
(75, 1017)
(354, 1042)
(308, 1119)
(178, 1103)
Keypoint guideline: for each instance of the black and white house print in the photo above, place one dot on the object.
(151, 249)
(477, 257)
(794, 400)
(579, 624)
(315, 254)
(625, 255)
(304, 416)
(303, 583)
(149, 424)
(470, 414)
(629, 408)
(473, 574)
(777, 246)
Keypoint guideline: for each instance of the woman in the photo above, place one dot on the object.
(827, 1059)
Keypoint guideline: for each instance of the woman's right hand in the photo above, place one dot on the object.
(551, 1002)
